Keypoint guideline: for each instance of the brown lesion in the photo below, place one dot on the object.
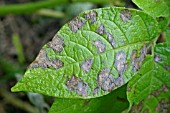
(76, 24)
(86, 65)
(43, 61)
(125, 15)
(137, 61)
(76, 84)
(57, 44)
(100, 46)
(91, 16)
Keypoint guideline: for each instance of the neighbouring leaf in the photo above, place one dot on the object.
(149, 90)
(167, 37)
(156, 8)
(95, 53)
(107, 104)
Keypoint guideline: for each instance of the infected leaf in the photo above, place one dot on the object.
(101, 29)
(91, 16)
(111, 39)
(75, 84)
(105, 80)
(56, 44)
(125, 15)
(86, 65)
(120, 62)
(76, 24)
(101, 47)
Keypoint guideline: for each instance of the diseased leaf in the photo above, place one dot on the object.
(92, 54)
(156, 8)
(150, 88)
(107, 104)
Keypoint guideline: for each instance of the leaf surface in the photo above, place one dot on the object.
(91, 55)
(156, 8)
(150, 88)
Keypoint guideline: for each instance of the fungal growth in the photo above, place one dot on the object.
(76, 24)
(120, 62)
(137, 61)
(91, 16)
(119, 81)
(77, 85)
(111, 39)
(101, 47)
(125, 15)
(56, 44)
(157, 58)
(43, 61)
(96, 90)
(101, 29)
(106, 80)
(86, 65)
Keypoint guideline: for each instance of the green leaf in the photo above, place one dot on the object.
(156, 8)
(91, 55)
(167, 33)
(151, 84)
(107, 104)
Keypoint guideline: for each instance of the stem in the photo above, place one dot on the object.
(34, 6)
(29, 7)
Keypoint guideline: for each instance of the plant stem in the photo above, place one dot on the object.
(26, 8)
(29, 7)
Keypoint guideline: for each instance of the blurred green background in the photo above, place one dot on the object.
(25, 26)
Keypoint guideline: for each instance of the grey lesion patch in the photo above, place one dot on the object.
(77, 85)
(137, 61)
(101, 47)
(157, 58)
(106, 80)
(120, 62)
(91, 16)
(111, 39)
(86, 65)
(95, 90)
(76, 24)
(101, 29)
(125, 15)
(56, 44)
(43, 61)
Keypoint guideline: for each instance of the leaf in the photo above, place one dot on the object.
(156, 8)
(151, 84)
(107, 104)
(91, 55)
(167, 37)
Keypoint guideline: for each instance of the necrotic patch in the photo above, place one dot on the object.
(76, 24)
(43, 61)
(125, 15)
(86, 65)
(96, 90)
(105, 80)
(111, 39)
(157, 58)
(56, 44)
(101, 29)
(120, 62)
(137, 61)
(101, 47)
(77, 85)
(91, 16)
